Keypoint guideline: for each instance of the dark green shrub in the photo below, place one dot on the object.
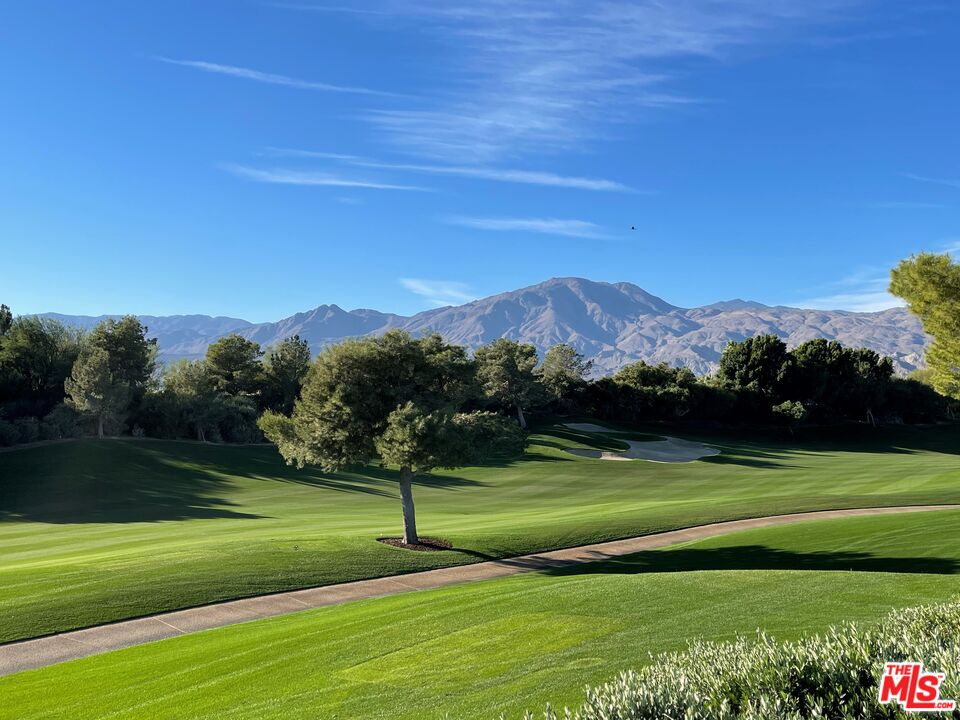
(28, 429)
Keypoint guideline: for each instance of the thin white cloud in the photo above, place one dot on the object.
(854, 302)
(905, 205)
(479, 172)
(935, 181)
(544, 226)
(525, 75)
(328, 9)
(269, 78)
(862, 291)
(282, 176)
(439, 292)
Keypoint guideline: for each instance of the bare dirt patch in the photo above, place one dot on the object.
(425, 544)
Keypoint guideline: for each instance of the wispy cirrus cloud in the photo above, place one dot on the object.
(283, 176)
(866, 289)
(523, 76)
(905, 205)
(270, 78)
(479, 172)
(861, 291)
(439, 292)
(544, 226)
(947, 182)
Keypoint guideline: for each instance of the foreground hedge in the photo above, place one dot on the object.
(831, 676)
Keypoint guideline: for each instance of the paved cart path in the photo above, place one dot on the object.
(40, 652)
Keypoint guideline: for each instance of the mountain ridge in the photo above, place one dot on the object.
(613, 324)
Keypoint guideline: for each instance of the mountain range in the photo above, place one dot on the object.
(613, 324)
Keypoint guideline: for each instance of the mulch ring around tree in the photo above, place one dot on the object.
(425, 544)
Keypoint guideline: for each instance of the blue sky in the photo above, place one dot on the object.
(255, 158)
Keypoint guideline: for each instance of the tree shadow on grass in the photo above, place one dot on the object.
(756, 557)
(814, 440)
(751, 457)
(730, 454)
(113, 482)
(591, 440)
(126, 481)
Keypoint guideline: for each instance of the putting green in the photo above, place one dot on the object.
(97, 531)
(504, 645)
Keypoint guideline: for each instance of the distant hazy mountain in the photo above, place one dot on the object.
(614, 324)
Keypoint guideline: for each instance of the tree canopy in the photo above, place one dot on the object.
(563, 370)
(93, 389)
(756, 364)
(284, 369)
(930, 285)
(505, 369)
(131, 355)
(395, 397)
(233, 363)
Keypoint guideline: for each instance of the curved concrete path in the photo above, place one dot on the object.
(30, 654)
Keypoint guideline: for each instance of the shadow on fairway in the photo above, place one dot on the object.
(125, 481)
(757, 557)
(111, 482)
(852, 438)
(752, 457)
(596, 441)
(767, 448)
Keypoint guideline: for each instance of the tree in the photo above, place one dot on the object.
(191, 393)
(930, 285)
(563, 370)
(93, 390)
(654, 391)
(132, 356)
(234, 367)
(505, 370)
(922, 375)
(392, 396)
(284, 369)
(790, 412)
(6, 319)
(36, 357)
(756, 364)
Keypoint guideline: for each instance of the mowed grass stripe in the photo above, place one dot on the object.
(100, 531)
(514, 643)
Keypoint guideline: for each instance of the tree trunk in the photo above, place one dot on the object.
(520, 418)
(100, 426)
(410, 536)
(200, 435)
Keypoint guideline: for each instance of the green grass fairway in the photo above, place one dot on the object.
(504, 645)
(98, 531)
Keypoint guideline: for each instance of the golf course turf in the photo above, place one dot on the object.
(477, 650)
(98, 531)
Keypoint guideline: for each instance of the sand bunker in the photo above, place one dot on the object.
(670, 450)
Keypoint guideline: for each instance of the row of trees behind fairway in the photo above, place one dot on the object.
(56, 382)
(760, 382)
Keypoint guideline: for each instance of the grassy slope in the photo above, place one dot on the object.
(97, 531)
(505, 645)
